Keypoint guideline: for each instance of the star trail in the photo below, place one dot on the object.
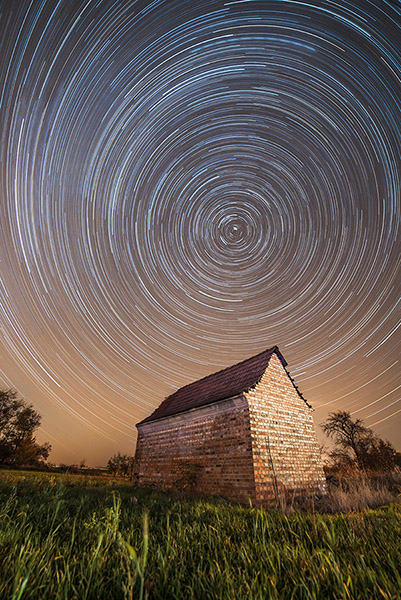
(185, 184)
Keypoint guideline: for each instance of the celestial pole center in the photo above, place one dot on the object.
(185, 184)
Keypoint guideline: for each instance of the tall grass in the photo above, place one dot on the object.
(76, 538)
(361, 492)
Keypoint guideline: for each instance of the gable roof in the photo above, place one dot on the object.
(224, 384)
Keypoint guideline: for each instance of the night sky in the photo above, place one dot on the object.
(184, 184)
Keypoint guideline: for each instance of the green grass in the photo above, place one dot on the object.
(79, 537)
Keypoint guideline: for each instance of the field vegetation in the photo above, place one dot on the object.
(90, 537)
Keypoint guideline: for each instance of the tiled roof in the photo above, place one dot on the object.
(218, 386)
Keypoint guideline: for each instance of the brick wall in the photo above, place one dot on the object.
(214, 439)
(285, 449)
(252, 446)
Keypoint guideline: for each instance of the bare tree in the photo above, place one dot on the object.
(357, 445)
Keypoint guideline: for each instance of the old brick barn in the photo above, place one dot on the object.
(245, 432)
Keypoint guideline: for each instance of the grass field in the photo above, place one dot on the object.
(80, 537)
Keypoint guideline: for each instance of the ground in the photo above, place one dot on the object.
(82, 537)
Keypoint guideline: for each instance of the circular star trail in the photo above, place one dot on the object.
(184, 184)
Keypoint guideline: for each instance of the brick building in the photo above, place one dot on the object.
(244, 433)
